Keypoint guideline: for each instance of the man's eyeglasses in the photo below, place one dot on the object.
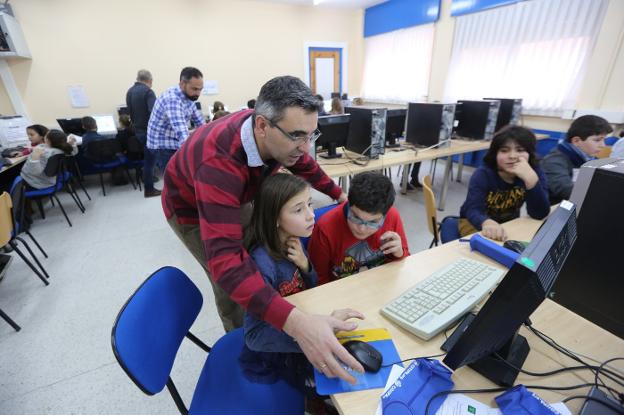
(370, 224)
(298, 138)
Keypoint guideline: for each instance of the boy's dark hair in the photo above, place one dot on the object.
(89, 123)
(588, 125)
(58, 139)
(274, 193)
(39, 129)
(522, 136)
(251, 104)
(190, 72)
(281, 93)
(217, 106)
(372, 192)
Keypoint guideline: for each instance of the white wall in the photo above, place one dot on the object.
(102, 44)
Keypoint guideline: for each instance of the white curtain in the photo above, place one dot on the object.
(397, 65)
(536, 50)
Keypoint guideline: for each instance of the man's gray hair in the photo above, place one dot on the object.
(284, 92)
(144, 75)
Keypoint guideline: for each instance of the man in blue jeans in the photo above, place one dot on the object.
(168, 125)
(140, 100)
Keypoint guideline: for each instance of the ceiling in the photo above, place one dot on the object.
(345, 4)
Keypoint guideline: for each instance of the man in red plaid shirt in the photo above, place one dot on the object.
(207, 184)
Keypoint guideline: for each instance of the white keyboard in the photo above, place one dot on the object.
(436, 302)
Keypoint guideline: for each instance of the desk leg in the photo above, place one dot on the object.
(345, 183)
(405, 179)
(445, 183)
(460, 167)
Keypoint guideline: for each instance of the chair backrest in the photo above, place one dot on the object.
(103, 151)
(151, 326)
(430, 209)
(135, 148)
(55, 165)
(6, 218)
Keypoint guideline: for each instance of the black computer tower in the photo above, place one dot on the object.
(476, 120)
(367, 131)
(592, 281)
(429, 124)
(509, 112)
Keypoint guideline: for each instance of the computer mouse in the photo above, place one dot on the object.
(365, 354)
(515, 246)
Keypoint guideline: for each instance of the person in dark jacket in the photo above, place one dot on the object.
(509, 177)
(583, 142)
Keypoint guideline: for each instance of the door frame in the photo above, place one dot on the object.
(341, 47)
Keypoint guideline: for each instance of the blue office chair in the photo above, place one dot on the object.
(449, 229)
(317, 215)
(149, 331)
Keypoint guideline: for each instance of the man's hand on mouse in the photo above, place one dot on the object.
(315, 335)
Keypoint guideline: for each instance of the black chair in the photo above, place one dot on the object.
(106, 155)
(135, 154)
(20, 223)
(8, 319)
(73, 168)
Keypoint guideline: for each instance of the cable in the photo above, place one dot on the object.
(414, 358)
(591, 398)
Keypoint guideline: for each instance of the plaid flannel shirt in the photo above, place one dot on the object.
(168, 124)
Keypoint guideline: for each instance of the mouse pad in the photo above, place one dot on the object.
(380, 340)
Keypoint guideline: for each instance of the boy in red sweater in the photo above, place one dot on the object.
(362, 233)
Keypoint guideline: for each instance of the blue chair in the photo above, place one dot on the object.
(449, 229)
(317, 215)
(106, 155)
(149, 331)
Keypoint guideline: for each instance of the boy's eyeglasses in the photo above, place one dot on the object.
(370, 224)
(300, 138)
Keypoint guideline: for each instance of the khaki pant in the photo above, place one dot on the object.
(230, 312)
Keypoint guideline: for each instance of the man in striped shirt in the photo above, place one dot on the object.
(168, 123)
(217, 172)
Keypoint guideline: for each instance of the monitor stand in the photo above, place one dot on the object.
(515, 351)
(391, 143)
(331, 152)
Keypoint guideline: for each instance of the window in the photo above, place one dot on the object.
(397, 65)
(535, 50)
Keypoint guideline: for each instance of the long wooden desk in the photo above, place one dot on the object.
(345, 166)
(370, 290)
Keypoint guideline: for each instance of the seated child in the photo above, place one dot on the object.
(36, 134)
(509, 176)
(282, 214)
(583, 142)
(33, 171)
(359, 234)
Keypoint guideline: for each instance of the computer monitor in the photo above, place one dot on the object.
(395, 126)
(429, 123)
(105, 124)
(367, 131)
(335, 95)
(493, 332)
(335, 129)
(71, 125)
(590, 283)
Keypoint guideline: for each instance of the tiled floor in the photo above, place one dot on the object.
(61, 362)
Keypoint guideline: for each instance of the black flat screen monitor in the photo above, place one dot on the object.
(71, 125)
(492, 334)
(395, 126)
(335, 129)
